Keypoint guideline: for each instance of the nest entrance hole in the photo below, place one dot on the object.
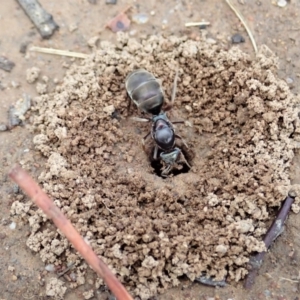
(179, 168)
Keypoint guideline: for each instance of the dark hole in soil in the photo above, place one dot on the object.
(181, 168)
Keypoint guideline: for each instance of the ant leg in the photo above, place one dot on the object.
(178, 122)
(144, 139)
(166, 171)
(155, 153)
(129, 103)
(178, 136)
(184, 159)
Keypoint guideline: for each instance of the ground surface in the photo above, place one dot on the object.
(23, 273)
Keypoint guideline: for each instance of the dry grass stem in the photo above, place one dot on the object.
(288, 279)
(192, 24)
(59, 52)
(239, 15)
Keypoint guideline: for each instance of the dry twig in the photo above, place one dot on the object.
(273, 232)
(32, 189)
(239, 15)
(42, 20)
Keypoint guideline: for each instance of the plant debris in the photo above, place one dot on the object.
(45, 204)
(120, 22)
(274, 231)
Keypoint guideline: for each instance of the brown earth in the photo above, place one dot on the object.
(149, 230)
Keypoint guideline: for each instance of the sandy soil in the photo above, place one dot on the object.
(254, 117)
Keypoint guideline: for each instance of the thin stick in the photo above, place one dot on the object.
(140, 119)
(32, 189)
(192, 24)
(108, 208)
(273, 232)
(59, 52)
(174, 87)
(66, 270)
(239, 15)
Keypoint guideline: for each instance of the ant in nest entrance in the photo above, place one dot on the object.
(180, 167)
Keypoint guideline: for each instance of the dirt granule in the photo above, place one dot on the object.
(149, 230)
(55, 288)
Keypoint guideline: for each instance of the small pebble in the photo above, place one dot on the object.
(2, 236)
(41, 88)
(50, 268)
(109, 109)
(140, 18)
(93, 41)
(111, 1)
(281, 3)
(211, 41)
(237, 39)
(12, 226)
(32, 74)
(10, 268)
(132, 32)
(14, 278)
(45, 78)
(23, 47)
(289, 80)
(73, 27)
(3, 127)
(188, 108)
(15, 84)
(16, 189)
(106, 156)
(73, 276)
(6, 64)
(222, 249)
(3, 86)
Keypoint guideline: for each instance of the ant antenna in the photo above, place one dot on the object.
(171, 103)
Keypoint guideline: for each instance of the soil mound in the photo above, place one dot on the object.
(149, 230)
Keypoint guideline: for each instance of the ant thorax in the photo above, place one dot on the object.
(163, 132)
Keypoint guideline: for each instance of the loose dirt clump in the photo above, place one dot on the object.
(150, 230)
